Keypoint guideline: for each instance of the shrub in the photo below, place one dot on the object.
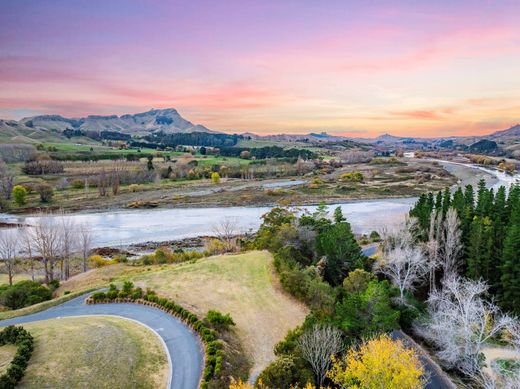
(219, 320)
(99, 296)
(19, 195)
(46, 192)
(284, 372)
(216, 246)
(215, 177)
(128, 286)
(54, 284)
(352, 177)
(78, 184)
(99, 261)
(23, 294)
(134, 188)
(137, 294)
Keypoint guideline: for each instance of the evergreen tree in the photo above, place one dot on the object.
(510, 279)
(446, 202)
(338, 215)
(480, 248)
(343, 254)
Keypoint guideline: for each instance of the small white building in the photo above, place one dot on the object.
(409, 154)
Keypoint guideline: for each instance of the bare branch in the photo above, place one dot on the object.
(318, 345)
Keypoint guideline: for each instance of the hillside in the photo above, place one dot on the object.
(12, 131)
(243, 285)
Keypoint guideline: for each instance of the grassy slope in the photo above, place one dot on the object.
(110, 353)
(242, 285)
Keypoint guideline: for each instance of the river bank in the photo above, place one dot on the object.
(123, 227)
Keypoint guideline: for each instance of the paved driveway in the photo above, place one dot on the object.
(182, 343)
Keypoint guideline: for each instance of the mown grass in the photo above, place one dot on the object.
(95, 352)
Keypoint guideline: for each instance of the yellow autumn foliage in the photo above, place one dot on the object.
(377, 361)
(246, 385)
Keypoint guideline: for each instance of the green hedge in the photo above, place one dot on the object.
(213, 346)
(24, 347)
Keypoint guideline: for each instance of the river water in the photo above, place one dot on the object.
(124, 227)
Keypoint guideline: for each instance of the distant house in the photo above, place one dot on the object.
(409, 154)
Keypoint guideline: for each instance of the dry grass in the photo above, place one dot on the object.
(4, 278)
(96, 278)
(95, 352)
(241, 285)
(7, 353)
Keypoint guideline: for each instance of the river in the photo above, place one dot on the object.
(125, 227)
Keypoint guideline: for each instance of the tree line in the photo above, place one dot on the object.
(490, 235)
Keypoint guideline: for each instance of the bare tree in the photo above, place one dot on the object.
(433, 246)
(46, 237)
(460, 322)
(227, 230)
(6, 181)
(85, 243)
(318, 345)
(102, 183)
(451, 244)
(26, 241)
(67, 244)
(403, 261)
(8, 251)
(405, 266)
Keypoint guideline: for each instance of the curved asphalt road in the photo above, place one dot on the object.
(437, 379)
(182, 344)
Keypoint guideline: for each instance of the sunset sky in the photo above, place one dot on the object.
(357, 68)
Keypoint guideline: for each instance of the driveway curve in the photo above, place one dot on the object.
(182, 344)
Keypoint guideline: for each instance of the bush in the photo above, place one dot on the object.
(99, 261)
(134, 188)
(78, 184)
(24, 348)
(219, 320)
(54, 284)
(23, 294)
(352, 177)
(215, 178)
(19, 195)
(98, 296)
(285, 372)
(46, 192)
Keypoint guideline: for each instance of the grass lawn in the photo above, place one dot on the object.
(94, 352)
(7, 353)
(244, 286)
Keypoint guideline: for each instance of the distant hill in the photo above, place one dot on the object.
(156, 120)
(512, 133)
(12, 131)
